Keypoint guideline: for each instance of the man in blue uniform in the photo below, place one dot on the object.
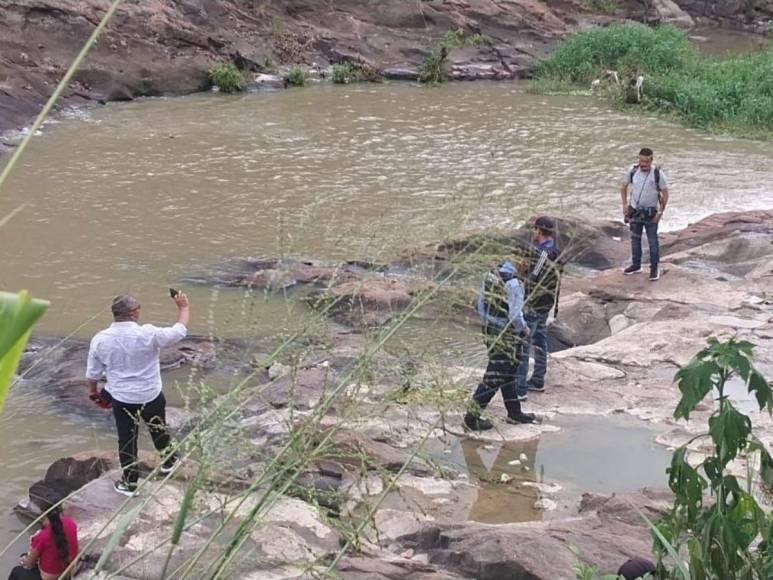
(500, 304)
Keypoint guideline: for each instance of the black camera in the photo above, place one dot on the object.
(640, 216)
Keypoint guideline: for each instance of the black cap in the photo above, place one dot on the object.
(545, 224)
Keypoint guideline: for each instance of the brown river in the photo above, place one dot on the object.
(133, 197)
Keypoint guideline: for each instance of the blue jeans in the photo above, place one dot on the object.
(538, 338)
(652, 240)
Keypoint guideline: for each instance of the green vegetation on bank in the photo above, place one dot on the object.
(296, 77)
(733, 95)
(434, 68)
(728, 536)
(226, 77)
(353, 72)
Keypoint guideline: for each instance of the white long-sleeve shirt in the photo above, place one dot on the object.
(128, 355)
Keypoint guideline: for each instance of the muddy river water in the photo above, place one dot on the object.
(132, 197)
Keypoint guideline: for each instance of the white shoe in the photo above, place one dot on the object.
(126, 489)
(165, 469)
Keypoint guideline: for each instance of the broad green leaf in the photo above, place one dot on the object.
(697, 567)
(761, 389)
(729, 430)
(8, 364)
(745, 515)
(18, 312)
(695, 382)
(686, 483)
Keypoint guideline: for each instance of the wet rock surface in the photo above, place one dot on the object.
(623, 337)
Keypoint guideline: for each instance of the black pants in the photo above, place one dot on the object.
(504, 355)
(22, 573)
(127, 422)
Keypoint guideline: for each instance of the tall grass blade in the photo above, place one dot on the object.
(680, 565)
(179, 524)
(123, 524)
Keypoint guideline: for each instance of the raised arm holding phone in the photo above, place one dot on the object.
(127, 354)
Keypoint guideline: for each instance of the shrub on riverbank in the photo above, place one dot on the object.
(296, 77)
(434, 67)
(226, 77)
(734, 94)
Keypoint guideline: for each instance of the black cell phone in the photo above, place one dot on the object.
(173, 293)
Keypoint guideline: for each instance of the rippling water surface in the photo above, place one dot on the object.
(131, 197)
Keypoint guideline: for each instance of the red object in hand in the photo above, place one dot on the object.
(99, 401)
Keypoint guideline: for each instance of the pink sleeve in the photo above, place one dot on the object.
(38, 540)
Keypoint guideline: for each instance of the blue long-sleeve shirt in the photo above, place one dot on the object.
(515, 297)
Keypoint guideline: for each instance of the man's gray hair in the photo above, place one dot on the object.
(123, 305)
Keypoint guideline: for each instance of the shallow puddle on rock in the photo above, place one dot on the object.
(589, 454)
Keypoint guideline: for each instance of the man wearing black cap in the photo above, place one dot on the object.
(127, 354)
(500, 303)
(541, 292)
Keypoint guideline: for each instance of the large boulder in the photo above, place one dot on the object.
(609, 532)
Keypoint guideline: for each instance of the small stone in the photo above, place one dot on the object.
(408, 554)
(523, 457)
(504, 478)
(545, 504)
(514, 462)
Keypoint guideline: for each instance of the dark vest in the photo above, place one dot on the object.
(541, 289)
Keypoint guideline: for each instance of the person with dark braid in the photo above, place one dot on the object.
(52, 549)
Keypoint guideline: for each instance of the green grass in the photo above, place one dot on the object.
(729, 95)
(296, 77)
(226, 77)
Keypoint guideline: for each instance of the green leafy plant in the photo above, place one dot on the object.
(345, 73)
(351, 72)
(732, 95)
(719, 536)
(18, 313)
(226, 77)
(296, 77)
(433, 69)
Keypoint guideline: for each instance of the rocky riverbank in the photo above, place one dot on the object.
(346, 433)
(157, 48)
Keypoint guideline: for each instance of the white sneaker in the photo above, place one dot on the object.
(165, 469)
(126, 489)
(654, 274)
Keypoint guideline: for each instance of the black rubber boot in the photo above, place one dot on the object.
(515, 416)
(477, 423)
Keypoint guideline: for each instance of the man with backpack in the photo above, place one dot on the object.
(542, 294)
(643, 208)
(499, 305)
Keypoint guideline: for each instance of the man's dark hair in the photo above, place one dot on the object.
(546, 225)
(646, 151)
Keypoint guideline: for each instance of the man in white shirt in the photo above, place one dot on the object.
(127, 354)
